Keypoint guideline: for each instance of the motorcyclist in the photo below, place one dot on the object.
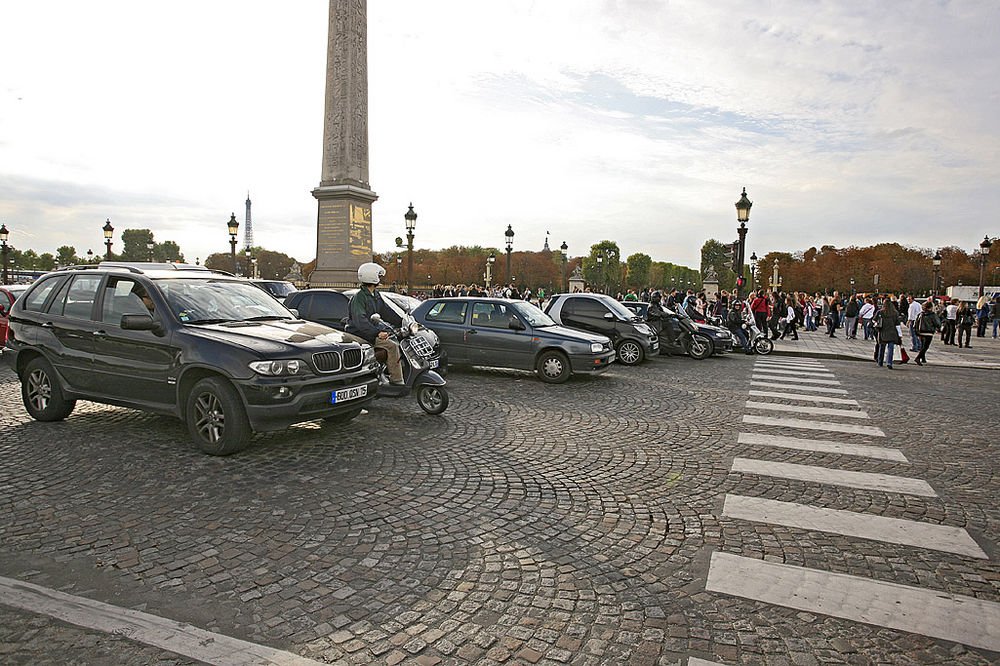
(365, 303)
(734, 322)
(654, 313)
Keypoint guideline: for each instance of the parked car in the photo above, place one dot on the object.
(206, 347)
(277, 288)
(330, 307)
(501, 333)
(633, 339)
(721, 338)
(8, 294)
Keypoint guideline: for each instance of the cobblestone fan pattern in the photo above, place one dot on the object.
(529, 524)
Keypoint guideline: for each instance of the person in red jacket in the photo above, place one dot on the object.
(760, 309)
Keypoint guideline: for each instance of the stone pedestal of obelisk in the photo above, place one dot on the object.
(344, 220)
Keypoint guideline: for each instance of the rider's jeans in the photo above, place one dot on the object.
(742, 337)
(392, 349)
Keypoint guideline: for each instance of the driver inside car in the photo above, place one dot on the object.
(364, 304)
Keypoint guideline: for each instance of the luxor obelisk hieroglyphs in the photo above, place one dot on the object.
(344, 221)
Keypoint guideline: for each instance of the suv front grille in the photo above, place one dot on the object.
(352, 358)
(327, 361)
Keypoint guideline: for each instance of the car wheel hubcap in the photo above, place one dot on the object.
(209, 417)
(39, 390)
(552, 367)
(630, 353)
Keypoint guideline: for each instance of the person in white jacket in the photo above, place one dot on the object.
(866, 315)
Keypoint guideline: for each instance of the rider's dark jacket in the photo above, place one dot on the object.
(362, 307)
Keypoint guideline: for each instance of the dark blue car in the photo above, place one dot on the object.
(501, 333)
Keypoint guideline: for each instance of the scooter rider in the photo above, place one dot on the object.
(366, 302)
(734, 322)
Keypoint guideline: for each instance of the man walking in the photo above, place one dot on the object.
(912, 312)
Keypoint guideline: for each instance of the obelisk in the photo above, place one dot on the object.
(344, 220)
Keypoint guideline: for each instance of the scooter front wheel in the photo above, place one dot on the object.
(763, 346)
(432, 399)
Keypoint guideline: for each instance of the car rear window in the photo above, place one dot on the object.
(35, 301)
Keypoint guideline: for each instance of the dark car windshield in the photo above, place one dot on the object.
(204, 301)
(531, 314)
(619, 309)
(279, 289)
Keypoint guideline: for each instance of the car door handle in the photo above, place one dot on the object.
(100, 334)
(48, 324)
(472, 331)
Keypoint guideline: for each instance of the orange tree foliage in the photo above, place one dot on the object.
(899, 268)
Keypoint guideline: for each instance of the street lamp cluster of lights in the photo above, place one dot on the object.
(3, 250)
(984, 256)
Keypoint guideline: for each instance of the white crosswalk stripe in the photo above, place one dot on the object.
(934, 613)
(805, 424)
(822, 446)
(809, 409)
(796, 380)
(791, 387)
(850, 523)
(807, 398)
(834, 477)
(795, 372)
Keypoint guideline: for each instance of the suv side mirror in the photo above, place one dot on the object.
(141, 322)
(610, 316)
(515, 324)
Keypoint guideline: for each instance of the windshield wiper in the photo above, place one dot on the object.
(207, 321)
(267, 318)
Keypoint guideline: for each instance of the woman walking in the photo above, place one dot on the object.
(965, 319)
(927, 324)
(886, 333)
(789, 319)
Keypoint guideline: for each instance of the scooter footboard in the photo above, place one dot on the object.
(430, 378)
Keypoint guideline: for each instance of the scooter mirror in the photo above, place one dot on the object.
(377, 318)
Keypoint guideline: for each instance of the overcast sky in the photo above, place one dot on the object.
(639, 121)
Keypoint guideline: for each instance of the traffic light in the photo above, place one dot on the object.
(740, 281)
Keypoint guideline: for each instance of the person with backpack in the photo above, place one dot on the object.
(927, 324)
(851, 311)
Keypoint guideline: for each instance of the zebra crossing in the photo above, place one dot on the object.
(934, 613)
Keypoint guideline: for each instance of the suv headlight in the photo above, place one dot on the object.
(596, 347)
(278, 368)
(645, 330)
(369, 353)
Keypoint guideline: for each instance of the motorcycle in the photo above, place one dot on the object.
(679, 335)
(420, 357)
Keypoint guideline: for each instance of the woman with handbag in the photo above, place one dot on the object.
(886, 333)
(927, 324)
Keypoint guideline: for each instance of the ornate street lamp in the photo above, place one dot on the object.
(937, 272)
(600, 268)
(984, 255)
(109, 231)
(234, 228)
(564, 249)
(149, 247)
(249, 261)
(411, 222)
(90, 256)
(490, 260)
(510, 246)
(852, 286)
(753, 269)
(399, 269)
(612, 268)
(742, 216)
(4, 234)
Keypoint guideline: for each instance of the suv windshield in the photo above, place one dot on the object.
(203, 301)
(531, 314)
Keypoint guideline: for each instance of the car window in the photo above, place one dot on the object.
(490, 315)
(449, 312)
(76, 298)
(588, 307)
(329, 305)
(199, 301)
(124, 296)
(532, 314)
(35, 301)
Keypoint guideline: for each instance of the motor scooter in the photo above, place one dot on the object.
(760, 343)
(679, 335)
(419, 352)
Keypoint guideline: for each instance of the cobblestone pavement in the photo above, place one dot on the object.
(528, 524)
(983, 353)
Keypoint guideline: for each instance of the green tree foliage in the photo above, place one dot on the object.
(66, 256)
(605, 275)
(638, 266)
(713, 256)
(134, 244)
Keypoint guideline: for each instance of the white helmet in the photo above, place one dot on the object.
(370, 273)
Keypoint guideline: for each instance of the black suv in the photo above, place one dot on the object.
(207, 347)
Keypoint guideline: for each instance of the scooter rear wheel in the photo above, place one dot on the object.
(432, 399)
(763, 346)
(700, 347)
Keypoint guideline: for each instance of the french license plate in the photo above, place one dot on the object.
(348, 394)
(433, 363)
